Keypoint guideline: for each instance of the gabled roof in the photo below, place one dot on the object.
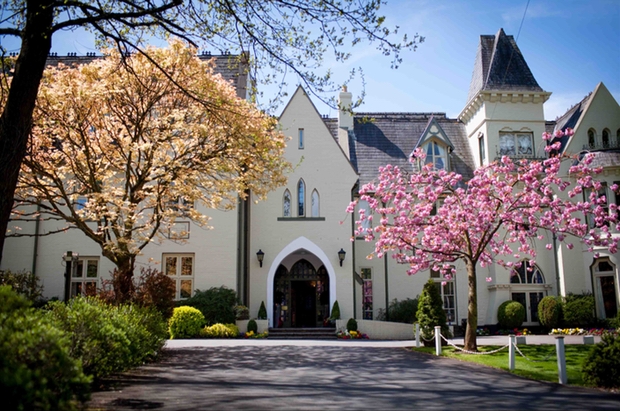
(500, 65)
(571, 118)
(379, 139)
(434, 131)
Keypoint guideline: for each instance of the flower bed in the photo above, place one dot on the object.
(581, 331)
(351, 335)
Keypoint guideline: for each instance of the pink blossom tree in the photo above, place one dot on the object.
(432, 218)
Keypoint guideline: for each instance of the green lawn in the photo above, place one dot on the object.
(542, 371)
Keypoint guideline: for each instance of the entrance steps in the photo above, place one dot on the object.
(322, 333)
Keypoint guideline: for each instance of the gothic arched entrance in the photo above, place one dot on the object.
(301, 296)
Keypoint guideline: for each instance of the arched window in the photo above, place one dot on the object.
(437, 155)
(286, 204)
(301, 198)
(315, 204)
(606, 138)
(525, 274)
(591, 138)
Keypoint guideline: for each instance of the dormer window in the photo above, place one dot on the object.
(436, 154)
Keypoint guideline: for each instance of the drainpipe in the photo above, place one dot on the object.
(35, 251)
(557, 267)
(387, 297)
(353, 261)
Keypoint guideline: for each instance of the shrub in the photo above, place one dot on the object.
(510, 314)
(578, 310)
(215, 304)
(615, 322)
(36, 368)
(95, 337)
(11, 301)
(252, 326)
(262, 311)
(403, 311)
(335, 311)
(602, 366)
(550, 312)
(351, 325)
(156, 290)
(185, 322)
(23, 283)
(241, 312)
(220, 331)
(431, 314)
(145, 328)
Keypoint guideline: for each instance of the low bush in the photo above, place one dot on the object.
(335, 315)
(186, 322)
(242, 312)
(262, 311)
(108, 338)
(614, 322)
(215, 304)
(351, 325)
(12, 301)
(36, 368)
(252, 326)
(220, 331)
(403, 311)
(510, 314)
(579, 310)
(23, 283)
(602, 367)
(550, 312)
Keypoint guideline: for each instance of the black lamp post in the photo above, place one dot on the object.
(341, 255)
(260, 255)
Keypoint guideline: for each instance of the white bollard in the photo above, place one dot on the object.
(511, 352)
(559, 348)
(417, 335)
(437, 340)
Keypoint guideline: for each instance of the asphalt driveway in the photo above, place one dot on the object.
(271, 376)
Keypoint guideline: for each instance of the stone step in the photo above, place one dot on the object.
(302, 333)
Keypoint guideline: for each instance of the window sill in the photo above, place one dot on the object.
(301, 218)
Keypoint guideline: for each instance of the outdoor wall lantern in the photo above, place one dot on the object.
(260, 255)
(341, 255)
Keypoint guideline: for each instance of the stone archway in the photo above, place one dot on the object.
(295, 247)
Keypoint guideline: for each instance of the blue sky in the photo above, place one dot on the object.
(570, 46)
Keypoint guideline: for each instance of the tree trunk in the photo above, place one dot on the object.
(123, 279)
(472, 308)
(16, 119)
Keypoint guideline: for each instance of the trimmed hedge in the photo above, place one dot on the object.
(220, 331)
(186, 322)
(579, 311)
(511, 314)
(252, 326)
(352, 324)
(335, 311)
(430, 313)
(262, 311)
(550, 312)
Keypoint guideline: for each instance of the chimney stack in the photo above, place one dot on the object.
(345, 119)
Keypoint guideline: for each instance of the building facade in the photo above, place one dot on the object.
(309, 257)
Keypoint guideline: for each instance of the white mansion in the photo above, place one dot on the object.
(294, 250)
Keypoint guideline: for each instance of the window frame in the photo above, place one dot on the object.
(445, 285)
(436, 144)
(286, 194)
(79, 281)
(516, 144)
(179, 278)
(301, 198)
(300, 139)
(313, 203)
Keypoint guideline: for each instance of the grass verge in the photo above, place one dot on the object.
(537, 369)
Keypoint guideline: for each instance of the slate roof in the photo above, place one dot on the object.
(570, 119)
(379, 139)
(229, 66)
(606, 159)
(499, 65)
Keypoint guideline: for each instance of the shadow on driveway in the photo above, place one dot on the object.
(294, 377)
